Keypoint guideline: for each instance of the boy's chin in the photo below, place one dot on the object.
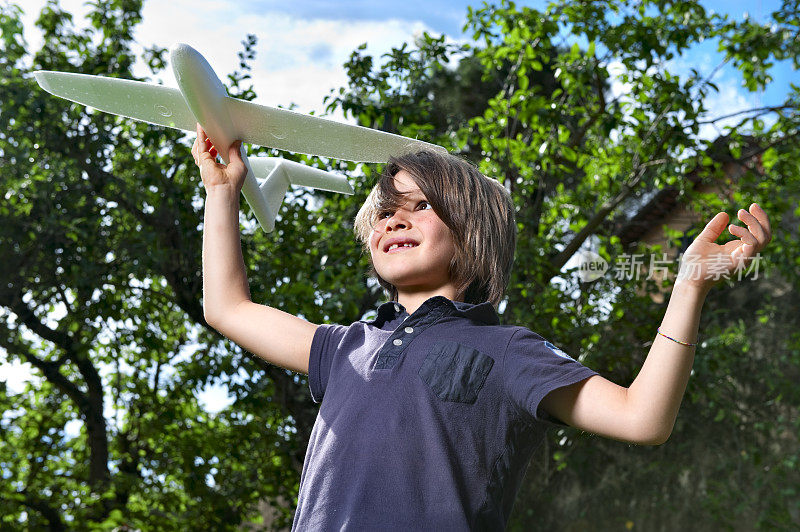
(415, 286)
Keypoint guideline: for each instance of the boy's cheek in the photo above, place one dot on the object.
(374, 238)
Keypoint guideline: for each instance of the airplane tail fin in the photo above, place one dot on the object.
(279, 173)
(275, 186)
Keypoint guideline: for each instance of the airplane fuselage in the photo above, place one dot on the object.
(206, 97)
(204, 94)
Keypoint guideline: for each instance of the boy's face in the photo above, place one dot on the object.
(412, 247)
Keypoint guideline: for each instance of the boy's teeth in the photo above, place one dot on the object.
(395, 246)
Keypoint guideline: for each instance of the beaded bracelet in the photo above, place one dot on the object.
(674, 340)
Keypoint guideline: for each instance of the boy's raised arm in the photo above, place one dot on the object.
(276, 336)
(645, 412)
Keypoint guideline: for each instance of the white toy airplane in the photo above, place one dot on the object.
(202, 99)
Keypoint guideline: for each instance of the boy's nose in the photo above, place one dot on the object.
(395, 226)
(397, 221)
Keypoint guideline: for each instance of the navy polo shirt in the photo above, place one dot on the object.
(428, 421)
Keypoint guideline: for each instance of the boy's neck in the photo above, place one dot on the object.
(411, 301)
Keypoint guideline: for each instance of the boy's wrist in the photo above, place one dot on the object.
(688, 288)
(223, 188)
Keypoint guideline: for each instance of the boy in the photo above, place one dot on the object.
(431, 411)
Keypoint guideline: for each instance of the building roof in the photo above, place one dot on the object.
(658, 208)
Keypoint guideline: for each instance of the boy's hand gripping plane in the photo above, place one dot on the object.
(202, 98)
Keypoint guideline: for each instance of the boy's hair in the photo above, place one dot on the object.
(478, 211)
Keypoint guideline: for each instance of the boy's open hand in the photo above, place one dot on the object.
(705, 263)
(214, 173)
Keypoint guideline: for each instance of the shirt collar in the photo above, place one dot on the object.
(482, 312)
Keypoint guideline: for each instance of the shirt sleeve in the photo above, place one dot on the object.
(534, 367)
(326, 341)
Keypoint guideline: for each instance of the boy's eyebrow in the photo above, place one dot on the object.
(414, 194)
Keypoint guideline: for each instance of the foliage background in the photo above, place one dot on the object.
(100, 284)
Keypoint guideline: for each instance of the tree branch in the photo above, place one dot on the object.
(27, 317)
(89, 403)
(758, 110)
(48, 512)
(50, 370)
(559, 260)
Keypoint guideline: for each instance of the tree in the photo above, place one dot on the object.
(101, 294)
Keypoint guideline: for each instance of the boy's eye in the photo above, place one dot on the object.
(422, 205)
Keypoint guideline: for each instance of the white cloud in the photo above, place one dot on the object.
(619, 88)
(32, 9)
(16, 374)
(730, 99)
(215, 397)
(298, 60)
(703, 62)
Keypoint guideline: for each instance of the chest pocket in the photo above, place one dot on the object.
(455, 372)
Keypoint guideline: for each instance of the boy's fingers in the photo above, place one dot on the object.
(235, 151)
(761, 215)
(196, 153)
(754, 226)
(747, 236)
(236, 163)
(743, 253)
(714, 228)
(200, 138)
(206, 156)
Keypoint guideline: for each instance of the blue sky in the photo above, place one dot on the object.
(440, 15)
(448, 16)
(303, 44)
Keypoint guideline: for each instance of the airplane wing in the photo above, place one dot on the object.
(256, 124)
(313, 135)
(148, 102)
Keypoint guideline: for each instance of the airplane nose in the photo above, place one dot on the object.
(180, 48)
(181, 55)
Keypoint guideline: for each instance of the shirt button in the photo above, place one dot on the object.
(398, 342)
(409, 330)
(397, 308)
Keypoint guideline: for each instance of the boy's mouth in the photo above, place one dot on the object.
(398, 243)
